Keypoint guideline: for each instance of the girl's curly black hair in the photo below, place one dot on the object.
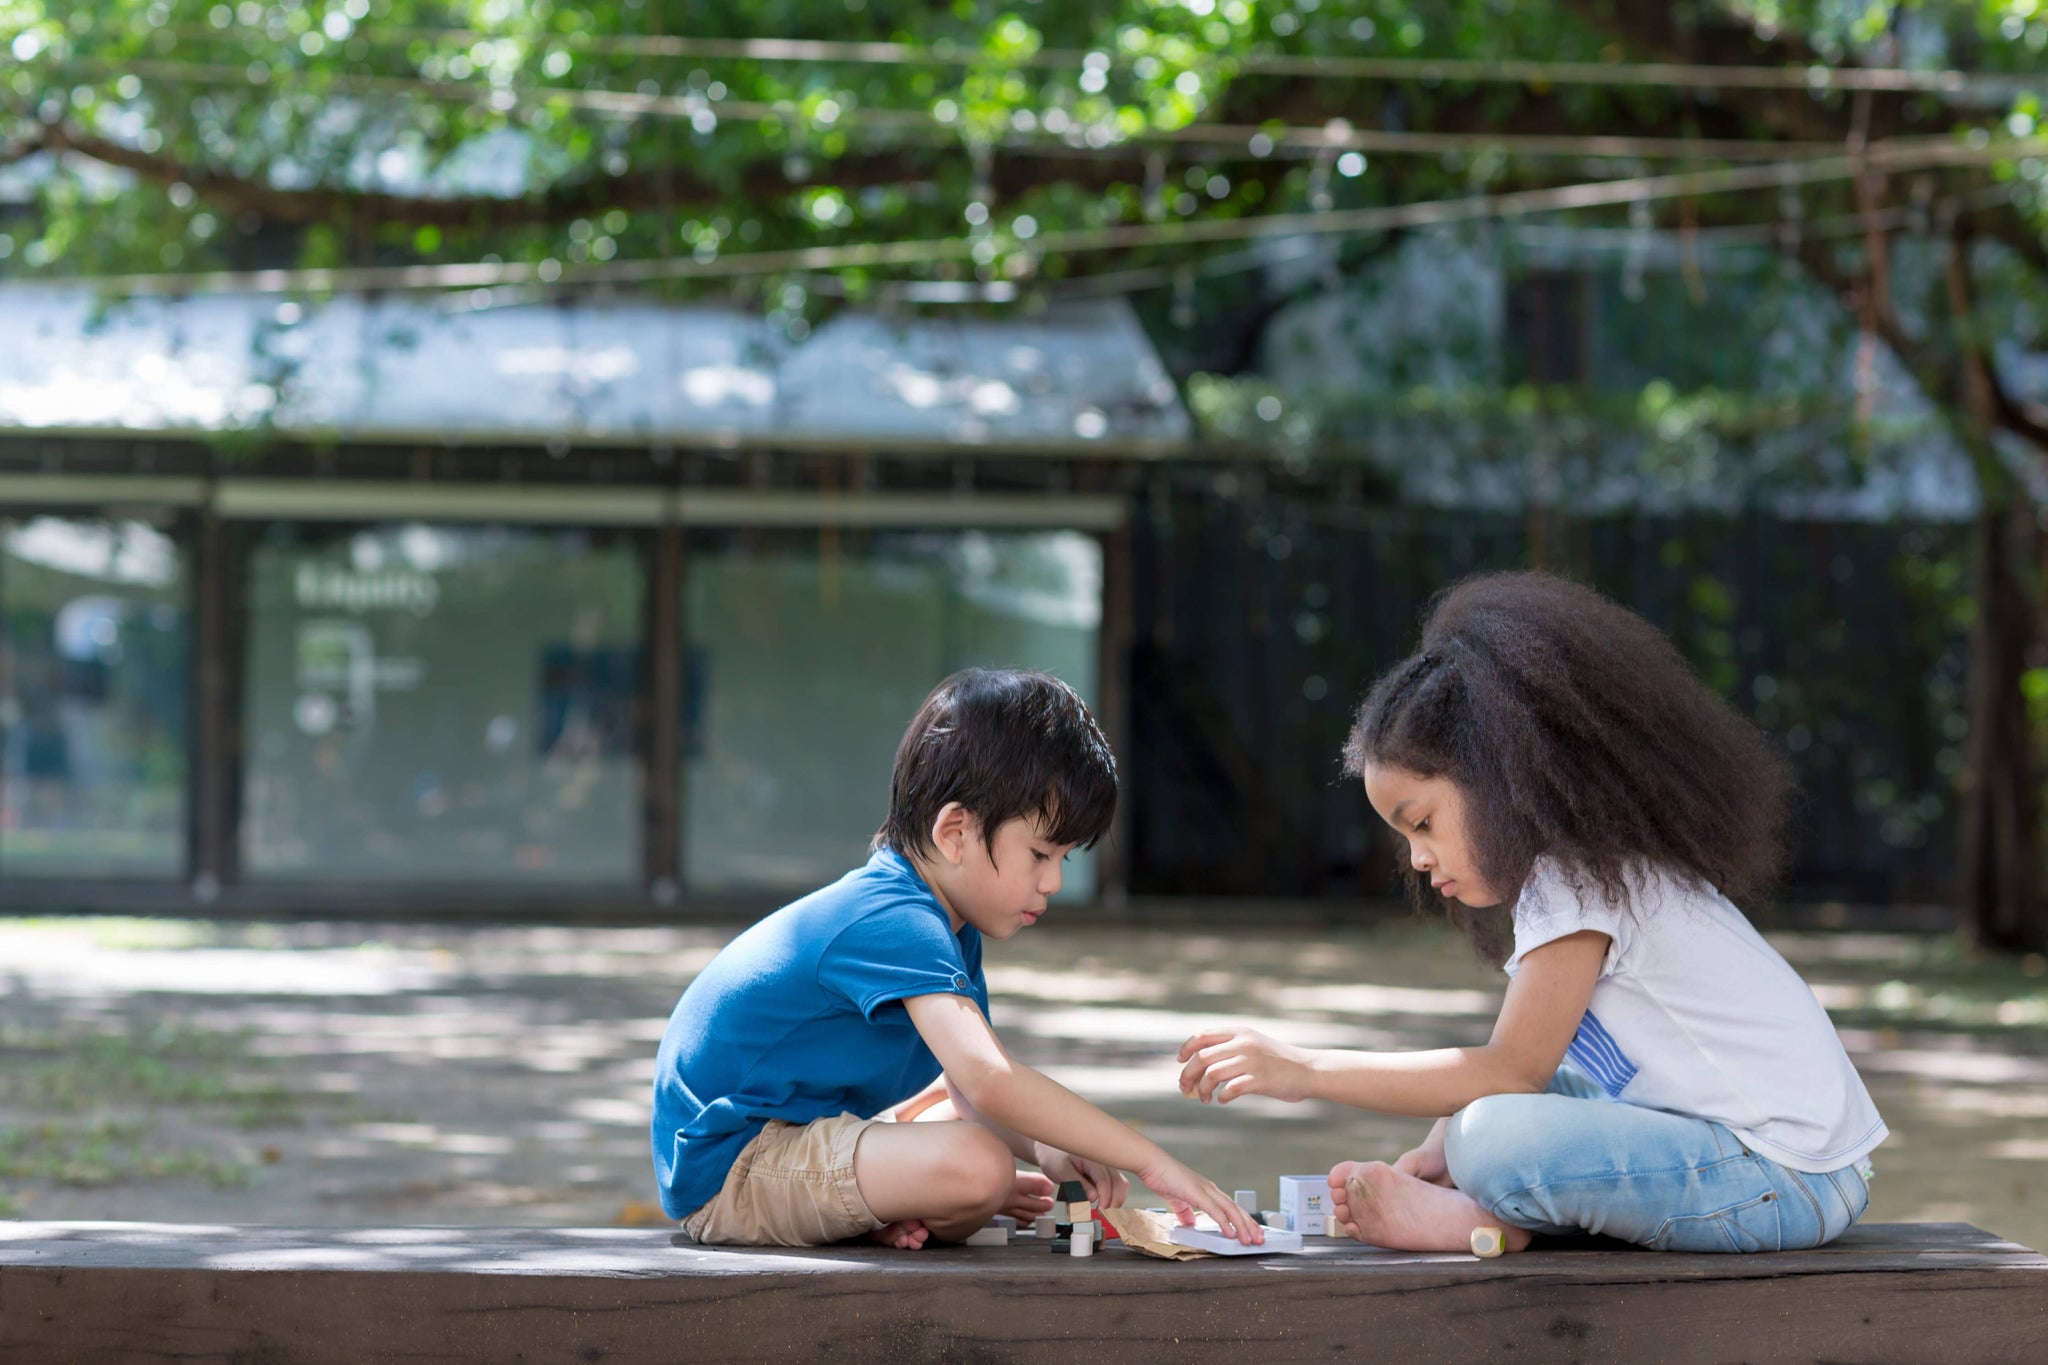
(1574, 729)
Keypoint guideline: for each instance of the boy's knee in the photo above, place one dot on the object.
(1486, 1146)
(976, 1166)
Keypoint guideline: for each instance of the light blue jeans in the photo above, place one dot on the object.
(1574, 1161)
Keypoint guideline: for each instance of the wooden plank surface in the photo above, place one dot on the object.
(90, 1292)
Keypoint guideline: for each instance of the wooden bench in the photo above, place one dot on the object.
(92, 1292)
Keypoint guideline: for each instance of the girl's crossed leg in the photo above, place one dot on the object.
(1562, 1163)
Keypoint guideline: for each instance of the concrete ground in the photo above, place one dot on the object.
(338, 1074)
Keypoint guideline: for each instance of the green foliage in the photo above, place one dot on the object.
(95, 1102)
(247, 131)
(104, 1152)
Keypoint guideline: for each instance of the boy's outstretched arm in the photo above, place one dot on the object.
(1034, 1105)
(1106, 1184)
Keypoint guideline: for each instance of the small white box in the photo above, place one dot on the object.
(1305, 1199)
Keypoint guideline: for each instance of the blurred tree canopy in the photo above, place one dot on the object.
(796, 153)
(186, 135)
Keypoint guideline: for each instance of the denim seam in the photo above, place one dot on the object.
(1820, 1215)
(1714, 1165)
(1849, 1211)
(1840, 1194)
(1610, 1175)
(1617, 1175)
(1719, 1218)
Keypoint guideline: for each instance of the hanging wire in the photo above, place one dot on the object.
(1074, 241)
(1817, 78)
(1252, 141)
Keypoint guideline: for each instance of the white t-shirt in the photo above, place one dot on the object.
(1696, 1014)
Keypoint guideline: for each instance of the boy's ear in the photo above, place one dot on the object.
(952, 831)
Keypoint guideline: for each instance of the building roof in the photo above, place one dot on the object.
(1080, 374)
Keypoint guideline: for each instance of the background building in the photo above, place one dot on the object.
(381, 604)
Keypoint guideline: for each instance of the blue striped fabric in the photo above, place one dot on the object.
(1594, 1052)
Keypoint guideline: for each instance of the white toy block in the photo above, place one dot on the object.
(1248, 1200)
(1083, 1243)
(1223, 1244)
(1305, 1199)
(1488, 1242)
(990, 1236)
(1274, 1218)
(1042, 1226)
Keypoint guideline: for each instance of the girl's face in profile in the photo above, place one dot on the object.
(1429, 812)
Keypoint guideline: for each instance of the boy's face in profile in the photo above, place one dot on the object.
(1004, 890)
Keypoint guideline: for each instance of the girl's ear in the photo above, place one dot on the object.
(952, 831)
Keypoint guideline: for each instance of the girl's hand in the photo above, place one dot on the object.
(1030, 1196)
(1224, 1066)
(1427, 1161)
(1185, 1193)
(1107, 1188)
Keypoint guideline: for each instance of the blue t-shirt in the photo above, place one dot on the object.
(801, 1018)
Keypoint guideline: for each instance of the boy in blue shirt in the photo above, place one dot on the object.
(868, 997)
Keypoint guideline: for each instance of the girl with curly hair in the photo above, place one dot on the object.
(1658, 1073)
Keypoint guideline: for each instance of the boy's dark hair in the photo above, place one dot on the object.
(1003, 743)
(1573, 728)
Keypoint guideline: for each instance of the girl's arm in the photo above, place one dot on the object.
(1038, 1107)
(907, 1112)
(1537, 1021)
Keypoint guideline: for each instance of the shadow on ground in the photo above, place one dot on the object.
(330, 1074)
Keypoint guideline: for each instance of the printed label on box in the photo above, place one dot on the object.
(1305, 1199)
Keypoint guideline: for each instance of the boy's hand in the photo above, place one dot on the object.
(1107, 1188)
(1427, 1161)
(1228, 1065)
(1030, 1196)
(1185, 1192)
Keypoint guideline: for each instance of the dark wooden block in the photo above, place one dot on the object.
(1910, 1293)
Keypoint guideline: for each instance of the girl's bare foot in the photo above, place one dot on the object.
(908, 1234)
(1388, 1208)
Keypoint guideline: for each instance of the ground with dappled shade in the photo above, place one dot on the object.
(340, 1074)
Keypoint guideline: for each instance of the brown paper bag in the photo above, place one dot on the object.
(1145, 1232)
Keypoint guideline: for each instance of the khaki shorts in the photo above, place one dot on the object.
(792, 1186)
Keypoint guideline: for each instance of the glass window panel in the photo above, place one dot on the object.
(94, 647)
(442, 702)
(810, 651)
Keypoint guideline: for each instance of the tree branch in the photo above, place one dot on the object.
(1945, 379)
(1689, 33)
(1015, 171)
(20, 149)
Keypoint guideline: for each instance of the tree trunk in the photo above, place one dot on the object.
(2001, 863)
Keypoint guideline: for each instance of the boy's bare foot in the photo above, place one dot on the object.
(907, 1234)
(1388, 1208)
